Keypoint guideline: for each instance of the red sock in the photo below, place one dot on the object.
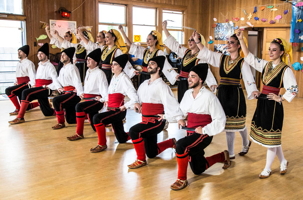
(219, 157)
(60, 117)
(33, 105)
(100, 129)
(15, 101)
(23, 108)
(164, 145)
(80, 117)
(182, 160)
(140, 148)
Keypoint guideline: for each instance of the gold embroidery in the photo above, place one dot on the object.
(189, 58)
(148, 55)
(106, 52)
(229, 64)
(270, 73)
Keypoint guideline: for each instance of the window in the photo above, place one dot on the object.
(174, 24)
(144, 21)
(111, 15)
(12, 37)
(11, 7)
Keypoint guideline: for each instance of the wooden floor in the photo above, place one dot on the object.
(37, 162)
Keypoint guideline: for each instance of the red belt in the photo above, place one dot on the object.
(106, 66)
(115, 100)
(195, 120)
(151, 110)
(144, 69)
(89, 97)
(21, 80)
(269, 89)
(184, 74)
(41, 82)
(68, 88)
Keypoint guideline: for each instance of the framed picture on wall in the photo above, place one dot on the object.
(62, 26)
(223, 31)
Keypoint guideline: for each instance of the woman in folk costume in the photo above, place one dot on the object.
(232, 69)
(90, 45)
(189, 60)
(155, 48)
(58, 40)
(266, 127)
(115, 47)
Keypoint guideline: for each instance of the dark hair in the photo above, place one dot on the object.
(154, 36)
(279, 42)
(112, 33)
(70, 35)
(236, 38)
(102, 33)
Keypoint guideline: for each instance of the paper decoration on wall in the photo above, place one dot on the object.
(244, 11)
(274, 9)
(242, 18)
(255, 9)
(278, 17)
(264, 20)
(299, 4)
(249, 16)
(272, 21)
(297, 31)
(236, 19)
(285, 12)
(215, 19)
(214, 25)
(210, 40)
(41, 37)
(299, 20)
(262, 8)
(249, 24)
(243, 27)
(297, 66)
(256, 18)
(223, 31)
(270, 6)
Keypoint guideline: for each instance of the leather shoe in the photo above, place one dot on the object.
(98, 148)
(179, 184)
(17, 121)
(245, 149)
(15, 112)
(75, 137)
(265, 174)
(283, 167)
(58, 126)
(227, 161)
(137, 164)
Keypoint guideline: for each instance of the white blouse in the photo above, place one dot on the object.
(96, 83)
(24, 68)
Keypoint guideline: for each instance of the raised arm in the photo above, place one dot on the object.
(242, 43)
(47, 30)
(164, 28)
(126, 39)
(81, 35)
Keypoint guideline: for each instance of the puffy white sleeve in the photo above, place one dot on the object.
(56, 42)
(90, 46)
(290, 84)
(76, 80)
(174, 46)
(249, 81)
(130, 91)
(172, 109)
(210, 57)
(31, 73)
(103, 86)
(255, 62)
(53, 73)
(137, 51)
(218, 118)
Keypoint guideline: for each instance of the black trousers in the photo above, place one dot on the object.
(194, 145)
(16, 90)
(91, 108)
(116, 119)
(182, 87)
(41, 94)
(68, 102)
(149, 134)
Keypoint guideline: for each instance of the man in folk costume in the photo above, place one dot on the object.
(119, 87)
(69, 78)
(25, 78)
(46, 81)
(206, 118)
(95, 93)
(155, 97)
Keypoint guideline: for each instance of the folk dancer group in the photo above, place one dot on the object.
(199, 111)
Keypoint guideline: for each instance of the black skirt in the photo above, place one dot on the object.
(233, 102)
(267, 122)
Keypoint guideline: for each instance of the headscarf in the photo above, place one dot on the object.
(119, 41)
(287, 56)
(159, 38)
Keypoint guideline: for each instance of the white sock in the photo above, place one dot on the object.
(244, 136)
(230, 137)
(280, 154)
(271, 154)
